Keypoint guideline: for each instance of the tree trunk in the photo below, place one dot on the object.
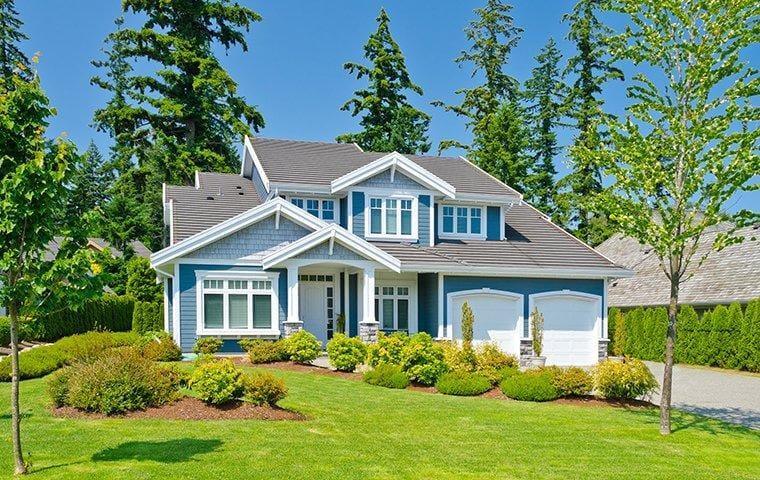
(15, 413)
(670, 342)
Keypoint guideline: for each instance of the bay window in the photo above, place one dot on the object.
(461, 220)
(235, 305)
(391, 217)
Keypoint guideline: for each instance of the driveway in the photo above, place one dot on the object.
(723, 394)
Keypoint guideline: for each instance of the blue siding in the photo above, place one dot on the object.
(343, 220)
(188, 307)
(169, 298)
(358, 213)
(424, 220)
(427, 296)
(493, 231)
(524, 286)
(353, 306)
(435, 222)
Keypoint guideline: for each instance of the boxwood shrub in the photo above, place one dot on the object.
(532, 386)
(422, 359)
(207, 345)
(263, 351)
(346, 353)
(387, 349)
(463, 383)
(263, 388)
(387, 375)
(160, 346)
(627, 379)
(217, 381)
(302, 347)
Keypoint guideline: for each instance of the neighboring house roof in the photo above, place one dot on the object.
(99, 244)
(730, 275)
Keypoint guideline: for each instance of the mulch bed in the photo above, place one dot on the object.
(189, 408)
(298, 367)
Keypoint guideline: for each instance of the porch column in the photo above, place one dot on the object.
(293, 322)
(368, 327)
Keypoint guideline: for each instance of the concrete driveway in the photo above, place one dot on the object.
(723, 394)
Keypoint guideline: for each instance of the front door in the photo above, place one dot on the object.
(316, 299)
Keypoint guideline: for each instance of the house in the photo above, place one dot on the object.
(308, 231)
(730, 275)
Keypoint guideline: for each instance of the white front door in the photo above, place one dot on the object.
(317, 304)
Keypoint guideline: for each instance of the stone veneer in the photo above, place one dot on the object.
(291, 327)
(603, 344)
(368, 331)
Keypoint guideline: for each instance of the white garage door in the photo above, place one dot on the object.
(498, 317)
(570, 328)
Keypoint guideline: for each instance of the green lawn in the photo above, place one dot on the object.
(360, 431)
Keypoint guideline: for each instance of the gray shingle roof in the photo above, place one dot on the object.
(318, 163)
(733, 274)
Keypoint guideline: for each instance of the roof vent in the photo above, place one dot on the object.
(239, 187)
(209, 197)
(241, 193)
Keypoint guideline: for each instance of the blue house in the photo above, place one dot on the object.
(310, 231)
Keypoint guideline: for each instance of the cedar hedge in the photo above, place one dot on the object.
(107, 313)
(147, 317)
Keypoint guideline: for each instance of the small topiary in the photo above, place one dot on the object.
(302, 347)
(573, 381)
(160, 346)
(387, 349)
(262, 388)
(387, 375)
(207, 345)
(490, 361)
(346, 353)
(627, 379)
(422, 359)
(217, 382)
(463, 384)
(263, 351)
(532, 386)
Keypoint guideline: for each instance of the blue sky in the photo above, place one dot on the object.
(293, 69)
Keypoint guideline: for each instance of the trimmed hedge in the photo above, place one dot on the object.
(107, 313)
(147, 317)
(726, 337)
(463, 384)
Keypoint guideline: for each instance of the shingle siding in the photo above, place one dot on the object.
(383, 180)
(423, 224)
(357, 213)
(427, 300)
(322, 251)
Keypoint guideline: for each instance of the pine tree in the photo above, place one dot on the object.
(545, 94)
(591, 66)
(90, 182)
(11, 56)
(389, 121)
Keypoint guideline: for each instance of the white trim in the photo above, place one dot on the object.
(432, 220)
(393, 159)
(605, 309)
(301, 188)
(466, 235)
(502, 222)
(166, 303)
(346, 297)
(519, 297)
(197, 179)
(256, 163)
(441, 332)
(171, 221)
(398, 197)
(234, 224)
(587, 297)
(350, 212)
(533, 272)
(176, 321)
(368, 296)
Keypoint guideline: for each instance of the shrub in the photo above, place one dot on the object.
(490, 361)
(207, 345)
(160, 346)
(387, 349)
(147, 317)
(141, 281)
(5, 331)
(107, 313)
(422, 359)
(532, 386)
(346, 353)
(463, 383)
(387, 375)
(618, 332)
(537, 331)
(627, 379)
(217, 382)
(58, 386)
(468, 323)
(458, 359)
(263, 351)
(571, 381)
(302, 347)
(114, 382)
(262, 388)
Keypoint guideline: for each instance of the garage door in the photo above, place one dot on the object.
(570, 328)
(498, 317)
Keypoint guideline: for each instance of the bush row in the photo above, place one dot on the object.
(147, 317)
(107, 313)
(301, 347)
(727, 337)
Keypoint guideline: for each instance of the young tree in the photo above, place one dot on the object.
(592, 67)
(685, 148)
(389, 121)
(545, 94)
(90, 182)
(11, 56)
(34, 174)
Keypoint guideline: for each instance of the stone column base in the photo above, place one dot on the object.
(526, 352)
(603, 345)
(368, 331)
(291, 327)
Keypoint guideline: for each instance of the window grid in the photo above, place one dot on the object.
(391, 216)
(392, 305)
(237, 304)
(324, 209)
(461, 220)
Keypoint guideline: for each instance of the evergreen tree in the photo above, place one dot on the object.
(389, 121)
(591, 67)
(545, 94)
(11, 56)
(90, 182)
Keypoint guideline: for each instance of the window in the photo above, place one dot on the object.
(324, 209)
(392, 307)
(232, 305)
(461, 220)
(391, 217)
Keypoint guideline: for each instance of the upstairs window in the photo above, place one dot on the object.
(461, 221)
(324, 209)
(391, 217)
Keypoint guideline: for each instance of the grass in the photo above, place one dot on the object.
(361, 431)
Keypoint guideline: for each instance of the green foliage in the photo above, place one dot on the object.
(463, 384)
(263, 388)
(537, 331)
(387, 349)
(340, 323)
(11, 56)
(532, 386)
(422, 359)
(264, 351)
(468, 322)
(141, 281)
(628, 379)
(457, 358)
(217, 382)
(491, 361)
(147, 317)
(116, 381)
(302, 347)
(388, 376)
(160, 346)
(390, 123)
(90, 182)
(571, 381)
(749, 351)
(109, 312)
(207, 345)
(617, 332)
(346, 353)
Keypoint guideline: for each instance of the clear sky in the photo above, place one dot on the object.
(293, 69)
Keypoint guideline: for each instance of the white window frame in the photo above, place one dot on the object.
(320, 200)
(476, 236)
(383, 228)
(225, 276)
(411, 297)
